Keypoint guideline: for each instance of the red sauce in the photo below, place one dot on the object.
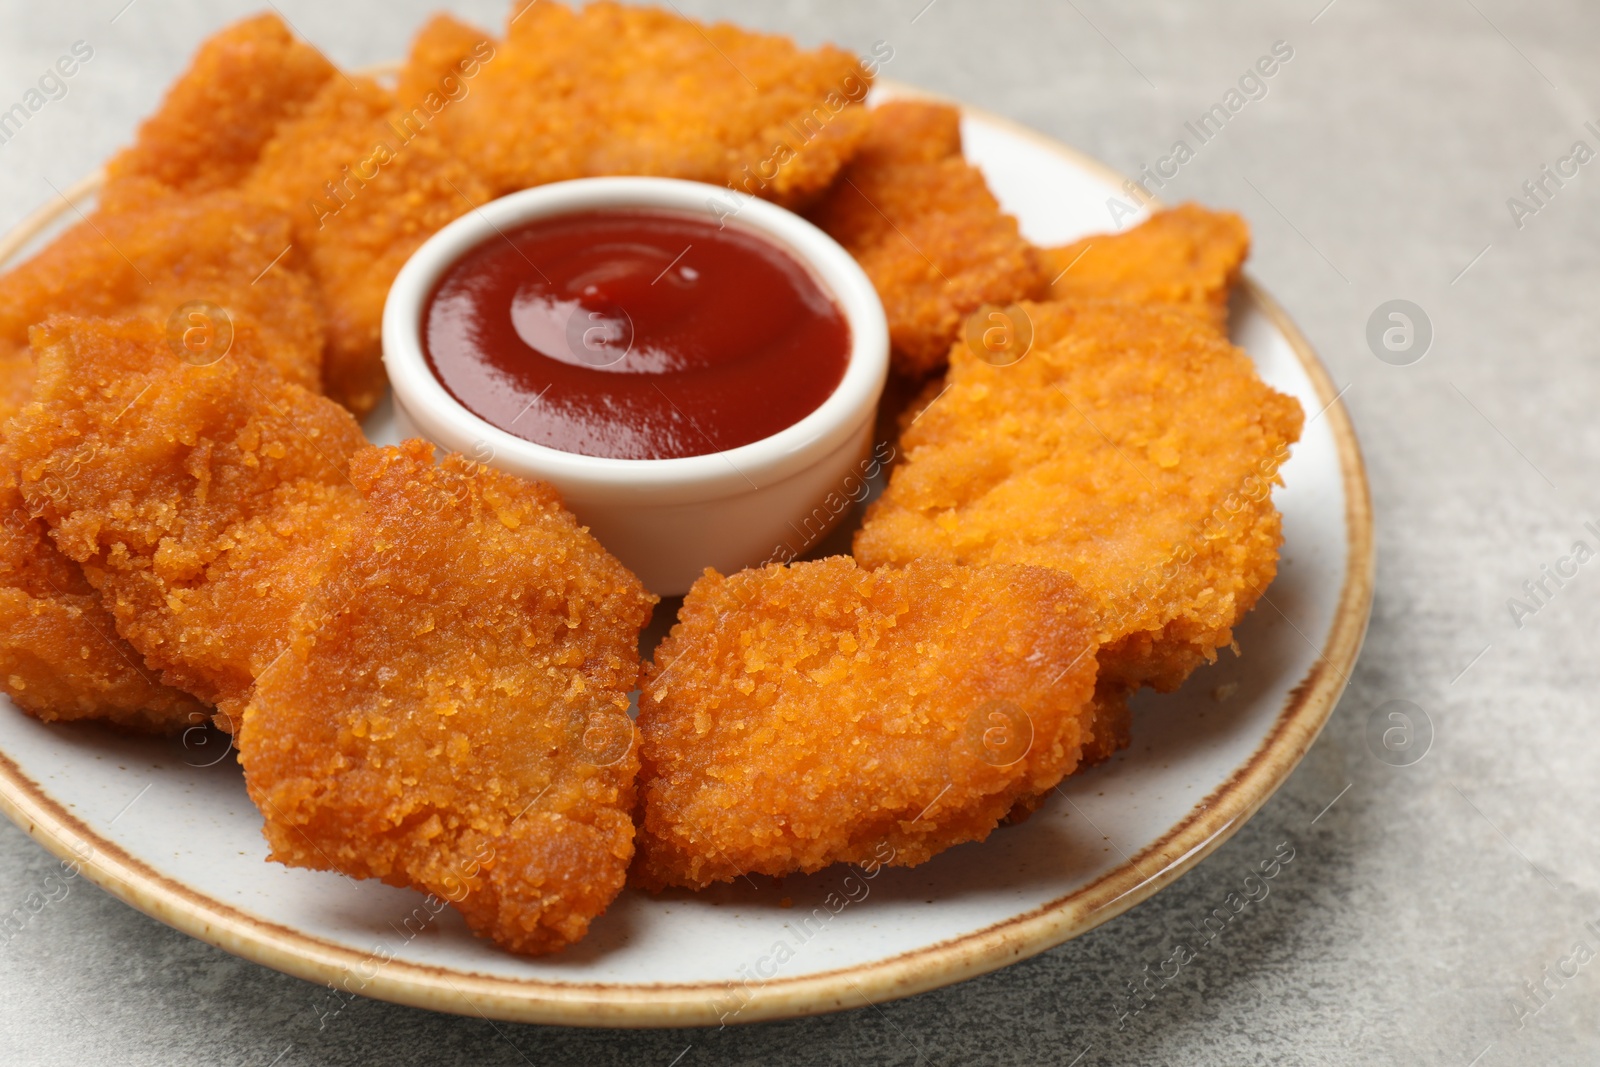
(635, 335)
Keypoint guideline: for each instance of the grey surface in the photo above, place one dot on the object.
(1418, 905)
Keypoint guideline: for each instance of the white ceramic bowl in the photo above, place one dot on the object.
(666, 519)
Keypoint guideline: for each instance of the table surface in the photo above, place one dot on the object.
(1436, 912)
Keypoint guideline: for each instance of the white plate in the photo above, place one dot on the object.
(168, 827)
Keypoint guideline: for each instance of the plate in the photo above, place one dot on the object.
(165, 825)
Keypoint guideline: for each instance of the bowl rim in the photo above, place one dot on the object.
(1213, 820)
(685, 479)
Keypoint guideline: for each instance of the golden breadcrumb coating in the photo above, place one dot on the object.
(1187, 256)
(16, 380)
(152, 258)
(613, 89)
(1133, 448)
(204, 502)
(362, 190)
(452, 711)
(365, 178)
(1113, 721)
(351, 173)
(910, 131)
(819, 713)
(446, 55)
(60, 656)
(925, 227)
(243, 83)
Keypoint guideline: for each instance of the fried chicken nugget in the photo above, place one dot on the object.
(925, 227)
(820, 713)
(1186, 256)
(204, 502)
(60, 656)
(364, 181)
(445, 55)
(1133, 448)
(242, 85)
(613, 89)
(149, 261)
(452, 712)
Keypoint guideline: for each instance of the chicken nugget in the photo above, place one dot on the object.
(364, 181)
(820, 713)
(925, 227)
(243, 84)
(1133, 448)
(614, 89)
(1186, 256)
(154, 259)
(60, 656)
(452, 711)
(446, 55)
(204, 502)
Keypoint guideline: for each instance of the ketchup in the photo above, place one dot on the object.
(635, 335)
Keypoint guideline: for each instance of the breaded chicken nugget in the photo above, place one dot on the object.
(60, 656)
(446, 56)
(926, 229)
(1187, 256)
(452, 712)
(244, 82)
(151, 260)
(204, 502)
(613, 89)
(364, 181)
(819, 713)
(1134, 449)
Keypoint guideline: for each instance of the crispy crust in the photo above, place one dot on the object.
(926, 229)
(267, 115)
(60, 656)
(613, 89)
(150, 255)
(243, 84)
(361, 190)
(452, 712)
(1188, 257)
(1132, 448)
(204, 502)
(819, 713)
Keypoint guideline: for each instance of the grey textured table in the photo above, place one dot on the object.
(1434, 907)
